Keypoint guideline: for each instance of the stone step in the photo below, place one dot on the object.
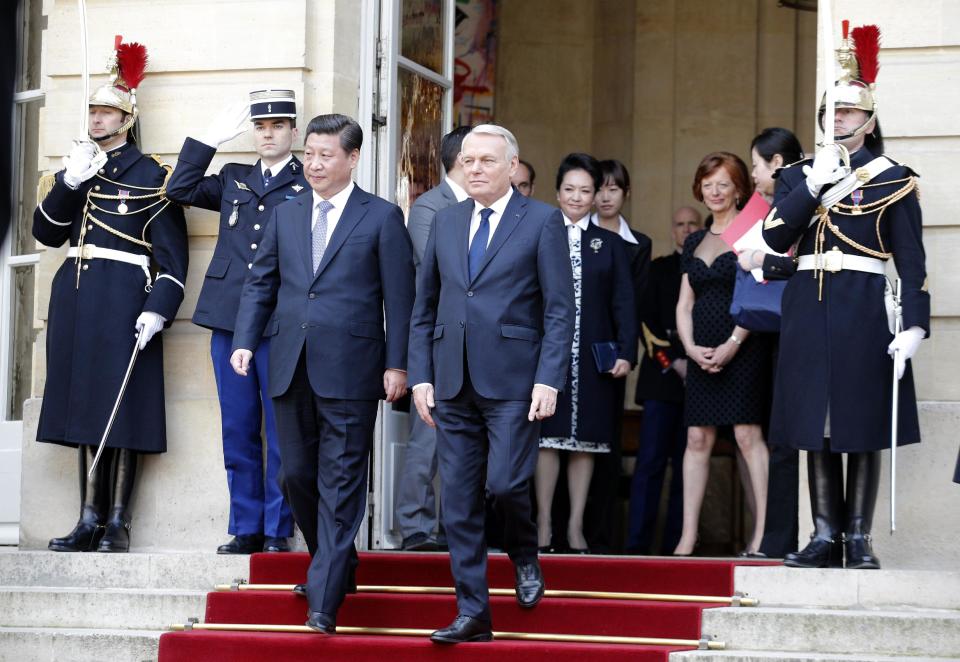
(191, 571)
(778, 586)
(781, 656)
(929, 632)
(77, 645)
(134, 609)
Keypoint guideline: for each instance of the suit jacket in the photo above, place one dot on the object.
(237, 193)
(639, 254)
(337, 314)
(514, 319)
(423, 212)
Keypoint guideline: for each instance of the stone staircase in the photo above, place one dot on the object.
(94, 607)
(838, 615)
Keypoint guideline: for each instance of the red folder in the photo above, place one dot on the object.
(756, 210)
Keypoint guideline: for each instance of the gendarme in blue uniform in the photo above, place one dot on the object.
(257, 505)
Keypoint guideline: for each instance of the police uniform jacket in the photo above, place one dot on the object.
(658, 333)
(94, 303)
(607, 313)
(834, 334)
(237, 192)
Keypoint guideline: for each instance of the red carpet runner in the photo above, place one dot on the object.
(552, 615)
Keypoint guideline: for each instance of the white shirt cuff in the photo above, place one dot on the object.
(549, 387)
(416, 386)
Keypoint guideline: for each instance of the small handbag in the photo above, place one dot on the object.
(756, 306)
(605, 355)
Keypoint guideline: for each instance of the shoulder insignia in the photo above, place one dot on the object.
(44, 186)
(167, 168)
(771, 222)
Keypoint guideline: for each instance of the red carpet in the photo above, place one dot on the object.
(553, 615)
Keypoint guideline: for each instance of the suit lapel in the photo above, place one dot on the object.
(305, 231)
(463, 238)
(516, 208)
(354, 211)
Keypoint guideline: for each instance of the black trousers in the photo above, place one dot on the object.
(324, 450)
(483, 442)
(783, 502)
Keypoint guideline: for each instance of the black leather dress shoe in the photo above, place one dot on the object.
(245, 544)
(276, 545)
(819, 553)
(463, 629)
(419, 542)
(84, 538)
(321, 622)
(301, 589)
(530, 585)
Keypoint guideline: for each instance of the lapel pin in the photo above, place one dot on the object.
(596, 243)
(241, 185)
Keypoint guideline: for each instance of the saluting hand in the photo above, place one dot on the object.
(230, 123)
(240, 361)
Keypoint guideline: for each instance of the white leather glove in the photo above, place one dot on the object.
(227, 125)
(151, 323)
(82, 163)
(903, 347)
(827, 169)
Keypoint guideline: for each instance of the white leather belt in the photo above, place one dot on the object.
(90, 252)
(834, 261)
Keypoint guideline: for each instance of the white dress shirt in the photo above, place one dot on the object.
(276, 167)
(458, 191)
(498, 207)
(623, 231)
(339, 201)
(582, 224)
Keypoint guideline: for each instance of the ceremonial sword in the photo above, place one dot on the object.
(895, 408)
(116, 404)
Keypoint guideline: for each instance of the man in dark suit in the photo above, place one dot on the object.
(245, 195)
(489, 347)
(663, 367)
(416, 507)
(335, 265)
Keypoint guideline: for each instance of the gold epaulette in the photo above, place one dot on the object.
(44, 186)
(165, 166)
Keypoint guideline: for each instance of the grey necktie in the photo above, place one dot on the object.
(320, 233)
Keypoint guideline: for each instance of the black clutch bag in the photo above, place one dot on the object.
(605, 355)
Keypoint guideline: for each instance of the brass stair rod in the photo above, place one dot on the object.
(704, 644)
(550, 593)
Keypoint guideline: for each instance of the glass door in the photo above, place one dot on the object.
(410, 110)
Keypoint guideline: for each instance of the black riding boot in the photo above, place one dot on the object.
(825, 549)
(117, 535)
(94, 499)
(863, 480)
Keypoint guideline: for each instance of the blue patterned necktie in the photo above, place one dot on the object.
(478, 247)
(320, 232)
(267, 176)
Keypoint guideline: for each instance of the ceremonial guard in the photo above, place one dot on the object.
(121, 283)
(848, 212)
(245, 195)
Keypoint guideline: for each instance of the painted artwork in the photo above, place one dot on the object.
(421, 32)
(474, 63)
(421, 126)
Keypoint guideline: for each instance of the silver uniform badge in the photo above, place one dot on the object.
(297, 188)
(233, 214)
(241, 185)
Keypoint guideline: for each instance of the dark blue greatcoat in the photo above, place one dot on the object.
(607, 312)
(236, 187)
(833, 352)
(90, 326)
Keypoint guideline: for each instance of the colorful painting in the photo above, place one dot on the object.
(474, 61)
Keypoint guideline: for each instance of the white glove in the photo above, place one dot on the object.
(227, 125)
(903, 347)
(827, 169)
(151, 323)
(82, 163)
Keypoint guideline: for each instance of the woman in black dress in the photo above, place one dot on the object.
(727, 375)
(588, 409)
